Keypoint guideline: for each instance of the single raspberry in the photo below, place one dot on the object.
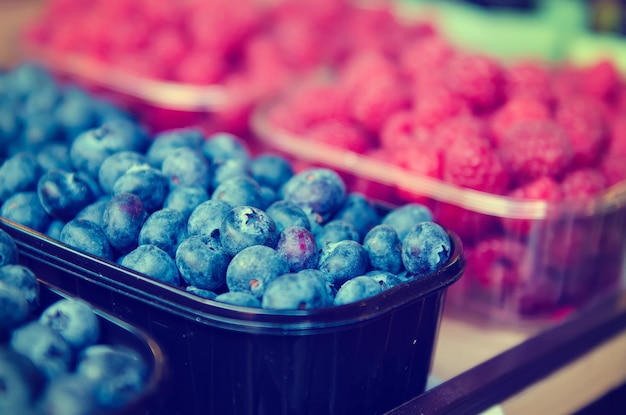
(361, 67)
(617, 144)
(583, 119)
(614, 169)
(601, 80)
(317, 102)
(421, 158)
(565, 83)
(477, 78)
(528, 79)
(425, 56)
(583, 184)
(199, 68)
(299, 41)
(535, 149)
(397, 131)
(374, 28)
(463, 125)
(471, 162)
(167, 45)
(376, 101)
(431, 107)
(514, 111)
(494, 264)
(342, 134)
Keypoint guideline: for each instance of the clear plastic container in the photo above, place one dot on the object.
(365, 357)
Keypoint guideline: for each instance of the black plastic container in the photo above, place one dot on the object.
(114, 331)
(361, 358)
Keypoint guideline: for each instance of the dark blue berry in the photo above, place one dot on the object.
(244, 226)
(426, 248)
(253, 268)
(202, 262)
(153, 262)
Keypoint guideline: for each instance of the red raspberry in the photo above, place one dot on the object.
(528, 79)
(299, 41)
(421, 158)
(494, 263)
(362, 67)
(535, 149)
(477, 78)
(342, 134)
(463, 125)
(583, 184)
(583, 119)
(601, 80)
(614, 169)
(565, 83)
(167, 46)
(514, 111)
(617, 145)
(317, 102)
(471, 162)
(376, 101)
(398, 131)
(199, 68)
(434, 106)
(373, 28)
(425, 56)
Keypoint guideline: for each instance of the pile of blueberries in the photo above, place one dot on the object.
(54, 361)
(203, 213)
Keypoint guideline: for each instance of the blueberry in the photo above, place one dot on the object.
(221, 147)
(75, 112)
(69, 395)
(426, 248)
(153, 262)
(54, 229)
(201, 292)
(41, 101)
(21, 382)
(207, 218)
(335, 231)
(295, 291)
(8, 249)
(164, 143)
(26, 209)
(342, 261)
(86, 236)
(185, 199)
(75, 320)
(19, 173)
(187, 167)
(39, 130)
(239, 191)
(384, 278)
(14, 307)
(384, 248)
(360, 212)
(165, 228)
(287, 214)
(270, 170)
(268, 196)
(64, 193)
(94, 211)
(240, 298)
(406, 216)
(44, 346)
(357, 289)
(116, 165)
(253, 268)
(146, 182)
(319, 192)
(116, 374)
(25, 280)
(122, 220)
(10, 128)
(54, 155)
(297, 245)
(321, 277)
(202, 262)
(244, 226)
(228, 169)
(27, 77)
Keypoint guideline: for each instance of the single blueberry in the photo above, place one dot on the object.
(239, 298)
(146, 182)
(207, 218)
(94, 211)
(185, 199)
(165, 142)
(271, 170)
(25, 280)
(228, 169)
(64, 193)
(116, 374)
(19, 173)
(287, 214)
(335, 231)
(54, 155)
(360, 212)
(342, 261)
(406, 216)
(244, 226)
(202, 262)
(75, 112)
(165, 228)
(8, 249)
(201, 292)
(39, 130)
(357, 289)
(54, 229)
(298, 246)
(186, 166)
(41, 101)
(44, 346)
(122, 220)
(28, 77)
(426, 248)
(14, 308)
(384, 278)
(116, 165)
(321, 277)
(10, 128)
(253, 268)
(239, 191)
(268, 196)
(153, 262)
(69, 395)
(75, 320)
(384, 248)
(86, 236)
(26, 209)
(106, 112)
(21, 382)
(319, 192)
(222, 146)
(295, 291)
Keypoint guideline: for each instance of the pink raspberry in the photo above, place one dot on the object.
(372, 28)
(199, 68)
(614, 169)
(299, 42)
(398, 130)
(583, 120)
(469, 224)
(535, 149)
(528, 79)
(601, 80)
(342, 134)
(494, 264)
(167, 46)
(617, 145)
(425, 56)
(464, 125)
(317, 102)
(515, 111)
(583, 184)
(376, 101)
(420, 158)
(434, 106)
(471, 162)
(360, 68)
(565, 83)
(477, 78)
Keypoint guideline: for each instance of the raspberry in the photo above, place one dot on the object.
(298, 41)
(464, 125)
(362, 67)
(199, 68)
(376, 101)
(373, 28)
(167, 45)
(514, 111)
(432, 107)
(583, 184)
(528, 79)
(617, 145)
(425, 56)
(421, 158)
(317, 102)
(471, 162)
(477, 78)
(535, 149)
(601, 80)
(494, 263)
(342, 134)
(614, 169)
(469, 225)
(583, 120)
(565, 83)
(397, 131)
